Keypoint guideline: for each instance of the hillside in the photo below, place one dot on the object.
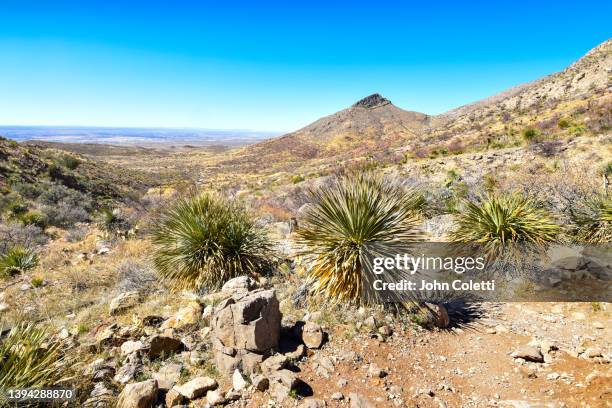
(575, 101)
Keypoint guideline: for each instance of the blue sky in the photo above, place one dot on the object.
(269, 65)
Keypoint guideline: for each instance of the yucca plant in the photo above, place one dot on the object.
(351, 221)
(500, 222)
(592, 221)
(205, 240)
(29, 358)
(17, 260)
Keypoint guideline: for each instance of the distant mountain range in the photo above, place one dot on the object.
(134, 136)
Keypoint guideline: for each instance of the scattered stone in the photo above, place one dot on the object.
(282, 383)
(215, 398)
(100, 397)
(376, 372)
(164, 345)
(233, 395)
(337, 396)
(593, 352)
(313, 403)
(207, 313)
(124, 301)
(174, 398)
(168, 375)
(358, 401)
(102, 373)
(241, 284)
(370, 323)
(385, 330)
(342, 382)
(260, 383)
(196, 388)
(529, 353)
(127, 373)
(553, 376)
(138, 395)
(439, 315)
(238, 381)
(185, 317)
(130, 347)
(312, 335)
(152, 321)
(599, 325)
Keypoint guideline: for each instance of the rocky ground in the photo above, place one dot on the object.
(234, 348)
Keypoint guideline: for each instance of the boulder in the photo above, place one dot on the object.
(282, 382)
(312, 403)
(312, 335)
(245, 328)
(196, 388)
(164, 345)
(214, 398)
(124, 301)
(260, 383)
(138, 395)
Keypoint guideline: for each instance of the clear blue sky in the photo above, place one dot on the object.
(273, 65)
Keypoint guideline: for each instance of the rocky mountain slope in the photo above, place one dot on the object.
(574, 101)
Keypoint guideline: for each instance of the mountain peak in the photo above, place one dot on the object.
(372, 101)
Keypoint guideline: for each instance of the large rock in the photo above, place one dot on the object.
(138, 395)
(282, 383)
(164, 345)
(130, 347)
(124, 301)
(196, 388)
(174, 398)
(168, 375)
(245, 328)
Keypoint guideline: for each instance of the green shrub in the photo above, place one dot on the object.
(564, 123)
(530, 135)
(17, 260)
(348, 222)
(70, 162)
(31, 359)
(112, 221)
(37, 282)
(592, 220)
(205, 240)
(33, 218)
(503, 220)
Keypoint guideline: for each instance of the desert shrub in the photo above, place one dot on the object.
(133, 275)
(112, 220)
(70, 162)
(31, 359)
(17, 260)
(33, 218)
(530, 134)
(349, 221)
(76, 234)
(27, 190)
(499, 221)
(564, 123)
(64, 215)
(57, 193)
(15, 234)
(13, 204)
(592, 220)
(205, 240)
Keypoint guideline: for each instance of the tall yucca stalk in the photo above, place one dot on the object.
(29, 358)
(503, 221)
(205, 240)
(349, 222)
(592, 221)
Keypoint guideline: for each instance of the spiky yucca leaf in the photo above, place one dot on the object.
(205, 240)
(29, 358)
(17, 260)
(349, 222)
(502, 221)
(593, 221)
